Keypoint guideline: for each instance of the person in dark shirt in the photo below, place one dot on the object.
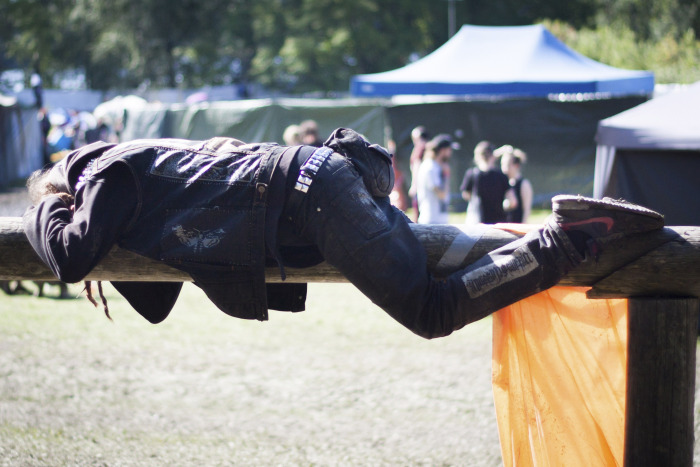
(485, 187)
(512, 160)
(222, 210)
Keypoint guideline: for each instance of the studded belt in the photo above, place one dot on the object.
(308, 171)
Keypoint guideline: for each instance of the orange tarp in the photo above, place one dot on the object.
(559, 368)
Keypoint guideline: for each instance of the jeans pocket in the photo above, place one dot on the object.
(360, 210)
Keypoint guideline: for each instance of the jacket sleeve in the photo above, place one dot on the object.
(72, 244)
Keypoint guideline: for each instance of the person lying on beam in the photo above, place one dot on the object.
(222, 210)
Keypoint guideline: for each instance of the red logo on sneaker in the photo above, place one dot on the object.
(593, 220)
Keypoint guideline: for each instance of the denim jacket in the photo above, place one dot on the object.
(200, 207)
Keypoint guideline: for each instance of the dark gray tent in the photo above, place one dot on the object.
(650, 154)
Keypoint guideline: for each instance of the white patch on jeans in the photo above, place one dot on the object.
(460, 247)
(500, 272)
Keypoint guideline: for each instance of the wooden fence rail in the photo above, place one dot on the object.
(663, 263)
(659, 272)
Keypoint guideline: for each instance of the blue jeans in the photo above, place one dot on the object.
(370, 242)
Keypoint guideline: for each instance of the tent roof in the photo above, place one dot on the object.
(503, 60)
(668, 122)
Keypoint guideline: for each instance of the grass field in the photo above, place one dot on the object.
(340, 384)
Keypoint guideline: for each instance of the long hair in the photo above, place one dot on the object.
(38, 185)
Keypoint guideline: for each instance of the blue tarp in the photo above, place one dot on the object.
(512, 61)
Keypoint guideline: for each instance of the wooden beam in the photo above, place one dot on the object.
(665, 263)
(446, 247)
(669, 270)
(659, 413)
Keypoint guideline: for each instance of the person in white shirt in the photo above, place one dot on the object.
(433, 184)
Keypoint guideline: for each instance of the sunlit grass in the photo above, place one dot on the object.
(340, 383)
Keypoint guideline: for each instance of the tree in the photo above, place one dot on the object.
(151, 41)
(672, 60)
(28, 33)
(651, 19)
(297, 46)
(327, 41)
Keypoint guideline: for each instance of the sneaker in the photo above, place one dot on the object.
(603, 220)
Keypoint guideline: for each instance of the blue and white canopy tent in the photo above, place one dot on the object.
(510, 84)
(509, 61)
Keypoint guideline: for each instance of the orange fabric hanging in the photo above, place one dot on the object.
(559, 370)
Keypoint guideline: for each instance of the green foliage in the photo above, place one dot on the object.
(324, 42)
(651, 20)
(300, 46)
(673, 59)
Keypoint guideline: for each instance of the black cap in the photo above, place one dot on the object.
(443, 141)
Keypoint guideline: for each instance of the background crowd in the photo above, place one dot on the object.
(64, 130)
(494, 188)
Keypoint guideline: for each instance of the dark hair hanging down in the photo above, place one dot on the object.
(88, 293)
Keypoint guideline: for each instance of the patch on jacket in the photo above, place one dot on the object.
(206, 236)
(197, 239)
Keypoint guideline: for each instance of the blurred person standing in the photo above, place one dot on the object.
(419, 137)
(433, 181)
(37, 87)
(512, 160)
(101, 132)
(44, 128)
(292, 135)
(485, 187)
(399, 195)
(309, 133)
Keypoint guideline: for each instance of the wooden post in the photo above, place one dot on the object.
(661, 346)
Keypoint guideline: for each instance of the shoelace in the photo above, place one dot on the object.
(88, 294)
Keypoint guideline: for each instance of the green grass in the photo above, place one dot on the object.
(339, 384)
